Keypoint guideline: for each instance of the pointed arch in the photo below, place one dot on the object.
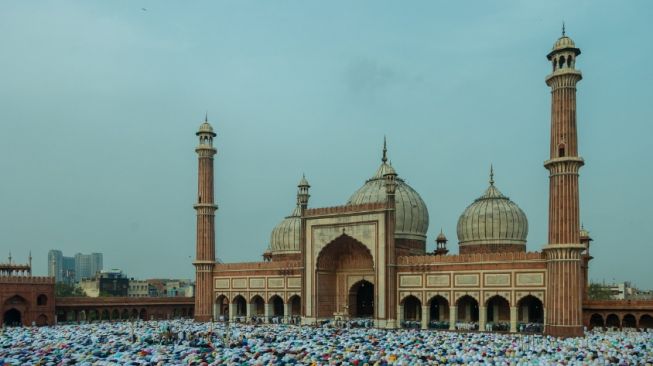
(276, 305)
(295, 305)
(596, 321)
(412, 307)
(467, 308)
(257, 306)
(438, 308)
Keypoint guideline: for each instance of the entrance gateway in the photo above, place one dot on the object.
(344, 273)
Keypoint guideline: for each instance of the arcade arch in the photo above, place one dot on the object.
(498, 310)
(295, 305)
(240, 306)
(438, 309)
(531, 310)
(467, 309)
(596, 320)
(276, 306)
(221, 307)
(412, 309)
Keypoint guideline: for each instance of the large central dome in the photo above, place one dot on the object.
(412, 217)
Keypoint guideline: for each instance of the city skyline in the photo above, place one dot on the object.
(115, 170)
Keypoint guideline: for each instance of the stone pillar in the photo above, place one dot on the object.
(513, 319)
(482, 318)
(453, 317)
(524, 313)
(249, 311)
(400, 315)
(267, 312)
(425, 317)
(286, 312)
(232, 311)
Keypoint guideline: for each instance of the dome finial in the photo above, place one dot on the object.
(385, 151)
(563, 28)
(206, 117)
(491, 175)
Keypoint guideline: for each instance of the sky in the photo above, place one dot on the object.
(100, 102)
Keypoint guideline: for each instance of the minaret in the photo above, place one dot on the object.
(302, 202)
(585, 239)
(563, 252)
(391, 309)
(205, 207)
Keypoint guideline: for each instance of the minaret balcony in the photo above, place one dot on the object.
(564, 165)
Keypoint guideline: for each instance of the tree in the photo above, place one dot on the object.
(599, 292)
(66, 290)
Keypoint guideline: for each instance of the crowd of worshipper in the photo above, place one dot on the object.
(184, 342)
(262, 319)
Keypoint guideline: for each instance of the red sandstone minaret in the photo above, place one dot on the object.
(205, 207)
(563, 252)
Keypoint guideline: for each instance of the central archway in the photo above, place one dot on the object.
(12, 317)
(343, 266)
(361, 300)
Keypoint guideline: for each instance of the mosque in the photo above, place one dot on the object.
(368, 259)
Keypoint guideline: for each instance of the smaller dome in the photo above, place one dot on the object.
(584, 233)
(441, 237)
(303, 182)
(563, 42)
(492, 221)
(285, 236)
(206, 127)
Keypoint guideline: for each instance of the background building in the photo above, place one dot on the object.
(60, 267)
(138, 288)
(87, 265)
(171, 287)
(70, 270)
(106, 283)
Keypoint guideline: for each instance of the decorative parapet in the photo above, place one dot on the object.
(27, 280)
(614, 305)
(469, 258)
(244, 266)
(323, 211)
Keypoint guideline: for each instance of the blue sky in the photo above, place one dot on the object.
(100, 101)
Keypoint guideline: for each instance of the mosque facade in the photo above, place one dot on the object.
(368, 258)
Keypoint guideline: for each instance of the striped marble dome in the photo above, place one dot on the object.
(492, 219)
(412, 217)
(285, 236)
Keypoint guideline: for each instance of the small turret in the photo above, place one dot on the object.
(441, 244)
(302, 192)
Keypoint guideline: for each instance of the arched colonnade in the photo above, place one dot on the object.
(496, 313)
(256, 308)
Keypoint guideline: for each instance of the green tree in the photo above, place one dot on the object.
(599, 292)
(66, 290)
